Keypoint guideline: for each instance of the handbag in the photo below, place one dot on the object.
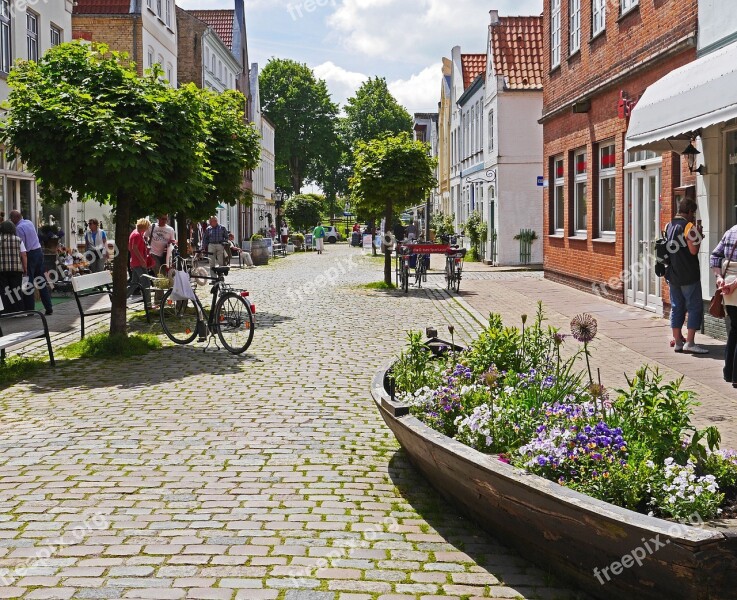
(716, 306)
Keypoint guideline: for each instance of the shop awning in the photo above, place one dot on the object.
(695, 96)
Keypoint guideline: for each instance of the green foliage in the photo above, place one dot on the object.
(477, 230)
(19, 368)
(723, 465)
(379, 285)
(412, 370)
(103, 345)
(304, 117)
(443, 225)
(526, 235)
(257, 237)
(303, 211)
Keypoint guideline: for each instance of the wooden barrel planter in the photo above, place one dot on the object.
(259, 252)
(609, 552)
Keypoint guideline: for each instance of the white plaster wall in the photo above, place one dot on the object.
(519, 206)
(160, 37)
(717, 20)
(212, 45)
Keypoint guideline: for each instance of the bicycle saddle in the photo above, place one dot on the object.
(221, 270)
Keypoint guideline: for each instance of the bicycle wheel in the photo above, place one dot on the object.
(178, 319)
(234, 323)
(457, 282)
(448, 275)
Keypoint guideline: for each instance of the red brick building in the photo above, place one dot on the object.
(604, 207)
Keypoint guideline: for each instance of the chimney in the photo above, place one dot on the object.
(494, 14)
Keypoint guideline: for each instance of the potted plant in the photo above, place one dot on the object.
(259, 250)
(49, 235)
(298, 239)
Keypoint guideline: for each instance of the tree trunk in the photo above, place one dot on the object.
(119, 317)
(387, 252)
(182, 236)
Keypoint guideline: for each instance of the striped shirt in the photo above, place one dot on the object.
(726, 248)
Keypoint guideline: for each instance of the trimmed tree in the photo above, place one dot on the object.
(303, 211)
(391, 174)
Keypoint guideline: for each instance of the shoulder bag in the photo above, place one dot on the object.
(716, 306)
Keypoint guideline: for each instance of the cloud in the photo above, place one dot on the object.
(421, 92)
(341, 82)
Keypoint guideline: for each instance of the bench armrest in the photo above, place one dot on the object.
(27, 313)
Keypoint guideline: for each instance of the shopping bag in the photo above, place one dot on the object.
(182, 289)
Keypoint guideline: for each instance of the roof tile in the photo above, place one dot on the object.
(220, 20)
(518, 51)
(473, 65)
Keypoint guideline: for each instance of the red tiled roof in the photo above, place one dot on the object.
(220, 20)
(517, 44)
(473, 65)
(102, 7)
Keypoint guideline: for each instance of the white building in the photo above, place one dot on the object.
(426, 131)
(507, 190)
(159, 36)
(472, 196)
(27, 31)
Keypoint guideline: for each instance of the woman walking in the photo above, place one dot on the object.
(724, 266)
(319, 236)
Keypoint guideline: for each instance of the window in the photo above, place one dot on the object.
(5, 56)
(555, 33)
(158, 8)
(574, 30)
(220, 70)
(170, 73)
(150, 57)
(559, 206)
(607, 182)
(579, 192)
(491, 131)
(598, 17)
(168, 13)
(207, 56)
(32, 35)
(628, 5)
(150, 4)
(213, 65)
(56, 36)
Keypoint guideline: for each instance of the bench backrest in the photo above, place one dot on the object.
(93, 280)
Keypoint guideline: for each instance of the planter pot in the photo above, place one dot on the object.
(597, 546)
(51, 245)
(259, 252)
(290, 248)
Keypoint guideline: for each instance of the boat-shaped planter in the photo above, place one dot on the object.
(607, 551)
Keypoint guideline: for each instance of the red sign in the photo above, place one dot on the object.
(428, 248)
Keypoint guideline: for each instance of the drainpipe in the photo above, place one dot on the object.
(136, 8)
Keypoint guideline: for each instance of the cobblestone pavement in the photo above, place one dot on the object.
(261, 477)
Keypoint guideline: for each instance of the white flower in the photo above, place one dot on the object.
(669, 461)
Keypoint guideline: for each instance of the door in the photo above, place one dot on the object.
(644, 227)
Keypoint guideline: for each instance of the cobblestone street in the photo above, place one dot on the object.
(261, 477)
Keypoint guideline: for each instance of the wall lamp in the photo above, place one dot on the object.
(691, 153)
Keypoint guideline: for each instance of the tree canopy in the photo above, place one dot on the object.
(304, 211)
(84, 121)
(391, 173)
(304, 118)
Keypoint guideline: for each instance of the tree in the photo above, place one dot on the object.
(84, 121)
(304, 118)
(477, 230)
(391, 173)
(372, 113)
(303, 211)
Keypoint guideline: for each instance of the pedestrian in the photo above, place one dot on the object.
(96, 243)
(683, 275)
(318, 235)
(411, 231)
(284, 233)
(213, 242)
(26, 231)
(724, 265)
(13, 265)
(162, 235)
(272, 231)
(398, 231)
(356, 228)
(140, 261)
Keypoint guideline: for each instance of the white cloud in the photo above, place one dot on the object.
(421, 92)
(341, 82)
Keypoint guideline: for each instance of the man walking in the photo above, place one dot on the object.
(213, 242)
(161, 237)
(684, 277)
(96, 242)
(26, 231)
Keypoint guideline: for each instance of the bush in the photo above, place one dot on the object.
(303, 211)
(257, 237)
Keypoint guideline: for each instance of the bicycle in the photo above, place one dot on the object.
(404, 268)
(422, 262)
(454, 268)
(230, 317)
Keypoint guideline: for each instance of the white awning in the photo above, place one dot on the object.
(697, 95)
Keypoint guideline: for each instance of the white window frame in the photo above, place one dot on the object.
(169, 73)
(598, 17)
(580, 178)
(626, 6)
(32, 46)
(150, 5)
(158, 8)
(555, 33)
(608, 173)
(150, 57)
(491, 130)
(56, 35)
(574, 26)
(167, 19)
(559, 195)
(6, 37)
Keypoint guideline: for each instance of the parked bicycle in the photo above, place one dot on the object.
(454, 268)
(404, 258)
(230, 318)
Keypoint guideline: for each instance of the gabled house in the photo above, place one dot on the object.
(506, 187)
(444, 121)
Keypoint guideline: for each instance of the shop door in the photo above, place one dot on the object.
(644, 230)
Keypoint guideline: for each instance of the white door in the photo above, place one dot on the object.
(644, 227)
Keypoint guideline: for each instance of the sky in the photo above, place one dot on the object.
(347, 41)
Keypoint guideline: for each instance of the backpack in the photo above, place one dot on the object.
(662, 256)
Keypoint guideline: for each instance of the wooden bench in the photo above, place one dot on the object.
(101, 284)
(20, 338)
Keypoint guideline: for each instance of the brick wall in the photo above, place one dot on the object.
(627, 56)
(189, 31)
(122, 33)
